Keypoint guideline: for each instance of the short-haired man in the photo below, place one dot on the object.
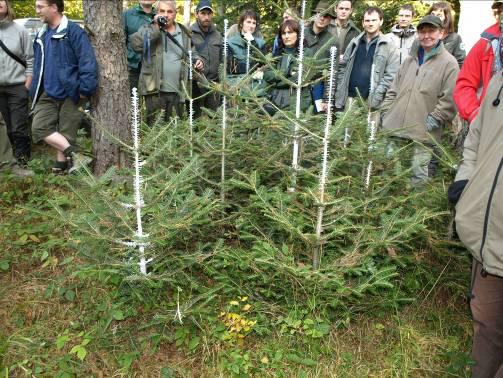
(483, 60)
(342, 27)
(164, 46)
(369, 64)
(419, 102)
(403, 34)
(65, 74)
(133, 19)
(208, 43)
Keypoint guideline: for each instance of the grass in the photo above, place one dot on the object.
(56, 321)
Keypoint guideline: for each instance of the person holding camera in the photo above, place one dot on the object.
(164, 45)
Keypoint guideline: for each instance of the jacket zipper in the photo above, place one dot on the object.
(489, 202)
(35, 99)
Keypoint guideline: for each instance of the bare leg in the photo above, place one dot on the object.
(59, 142)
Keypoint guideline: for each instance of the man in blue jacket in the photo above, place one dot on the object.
(65, 74)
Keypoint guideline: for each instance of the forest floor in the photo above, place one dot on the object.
(55, 321)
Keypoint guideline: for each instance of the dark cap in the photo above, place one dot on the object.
(431, 20)
(497, 3)
(204, 4)
(324, 7)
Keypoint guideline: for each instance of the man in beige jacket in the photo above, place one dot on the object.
(419, 102)
(477, 190)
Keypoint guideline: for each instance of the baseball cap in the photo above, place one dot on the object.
(431, 20)
(204, 4)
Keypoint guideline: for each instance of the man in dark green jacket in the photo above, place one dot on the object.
(342, 27)
(132, 19)
(208, 43)
(318, 42)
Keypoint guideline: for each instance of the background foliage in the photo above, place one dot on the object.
(269, 11)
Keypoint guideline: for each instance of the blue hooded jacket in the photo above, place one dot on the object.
(76, 63)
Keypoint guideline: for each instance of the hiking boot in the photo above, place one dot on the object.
(60, 167)
(79, 161)
(23, 160)
(20, 172)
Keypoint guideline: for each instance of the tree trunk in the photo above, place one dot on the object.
(187, 5)
(111, 103)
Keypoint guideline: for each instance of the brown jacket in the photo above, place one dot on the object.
(418, 91)
(479, 211)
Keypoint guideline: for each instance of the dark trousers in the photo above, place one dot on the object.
(14, 109)
(134, 78)
(487, 310)
(204, 98)
(169, 102)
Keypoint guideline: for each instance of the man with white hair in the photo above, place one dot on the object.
(164, 45)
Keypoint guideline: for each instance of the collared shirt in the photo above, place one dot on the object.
(172, 61)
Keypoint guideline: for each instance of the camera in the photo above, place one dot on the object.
(162, 21)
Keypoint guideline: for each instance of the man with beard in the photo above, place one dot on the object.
(207, 41)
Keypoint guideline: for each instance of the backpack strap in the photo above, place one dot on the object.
(12, 55)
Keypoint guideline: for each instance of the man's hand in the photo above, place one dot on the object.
(199, 65)
(27, 82)
(154, 21)
(432, 123)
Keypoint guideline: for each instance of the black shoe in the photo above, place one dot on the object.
(60, 167)
(23, 160)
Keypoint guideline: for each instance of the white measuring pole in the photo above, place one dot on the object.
(296, 142)
(324, 161)
(191, 106)
(138, 204)
(372, 138)
(224, 115)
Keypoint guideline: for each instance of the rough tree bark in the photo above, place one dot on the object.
(187, 11)
(111, 103)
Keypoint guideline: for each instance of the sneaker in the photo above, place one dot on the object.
(20, 172)
(79, 161)
(60, 167)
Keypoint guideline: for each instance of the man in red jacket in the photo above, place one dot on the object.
(483, 60)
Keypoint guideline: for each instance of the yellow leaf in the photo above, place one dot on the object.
(264, 360)
(246, 307)
(244, 299)
(34, 238)
(234, 303)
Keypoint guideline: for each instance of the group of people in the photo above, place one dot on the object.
(414, 80)
(59, 72)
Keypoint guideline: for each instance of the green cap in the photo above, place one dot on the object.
(324, 7)
(431, 20)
